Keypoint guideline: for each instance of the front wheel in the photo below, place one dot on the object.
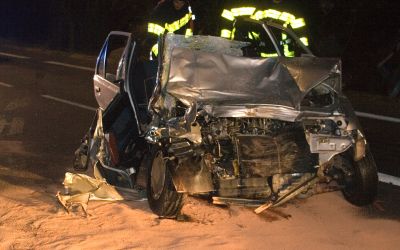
(163, 198)
(361, 187)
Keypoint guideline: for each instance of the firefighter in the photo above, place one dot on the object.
(273, 10)
(169, 16)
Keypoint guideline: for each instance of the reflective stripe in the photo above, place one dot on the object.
(268, 55)
(228, 15)
(298, 23)
(235, 12)
(189, 32)
(274, 14)
(155, 29)
(304, 40)
(259, 15)
(154, 49)
(253, 35)
(287, 52)
(178, 23)
(286, 17)
(243, 11)
(263, 14)
(226, 33)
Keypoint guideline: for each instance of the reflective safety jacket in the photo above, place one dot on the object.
(165, 18)
(272, 12)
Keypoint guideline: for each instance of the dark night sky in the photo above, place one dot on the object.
(360, 32)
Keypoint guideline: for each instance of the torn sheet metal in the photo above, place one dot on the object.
(212, 71)
(224, 80)
(308, 182)
(80, 188)
(208, 44)
(198, 43)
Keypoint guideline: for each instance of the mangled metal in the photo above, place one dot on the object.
(79, 189)
(236, 127)
(220, 79)
(225, 85)
(234, 89)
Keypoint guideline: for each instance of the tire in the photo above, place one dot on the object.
(362, 187)
(162, 196)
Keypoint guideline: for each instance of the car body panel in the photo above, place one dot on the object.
(111, 67)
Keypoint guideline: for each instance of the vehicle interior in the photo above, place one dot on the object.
(123, 116)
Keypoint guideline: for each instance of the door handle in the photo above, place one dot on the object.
(97, 89)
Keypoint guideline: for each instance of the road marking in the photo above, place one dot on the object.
(6, 85)
(69, 65)
(378, 117)
(389, 179)
(69, 102)
(13, 55)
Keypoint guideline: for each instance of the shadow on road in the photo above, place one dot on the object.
(387, 204)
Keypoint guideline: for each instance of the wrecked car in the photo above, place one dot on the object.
(211, 116)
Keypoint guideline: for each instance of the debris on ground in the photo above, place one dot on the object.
(79, 189)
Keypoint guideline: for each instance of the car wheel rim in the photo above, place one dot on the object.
(158, 175)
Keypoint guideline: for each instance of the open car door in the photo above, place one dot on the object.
(123, 84)
(111, 66)
(119, 130)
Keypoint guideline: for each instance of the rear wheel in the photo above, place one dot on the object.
(361, 187)
(163, 198)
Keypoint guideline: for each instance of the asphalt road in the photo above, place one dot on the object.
(46, 130)
(46, 108)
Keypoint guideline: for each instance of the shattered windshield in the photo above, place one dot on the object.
(287, 44)
(270, 40)
(263, 40)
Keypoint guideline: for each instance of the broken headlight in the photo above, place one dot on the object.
(321, 95)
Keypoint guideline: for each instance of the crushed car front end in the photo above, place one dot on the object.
(211, 118)
(254, 128)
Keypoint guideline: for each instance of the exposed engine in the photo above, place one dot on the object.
(255, 157)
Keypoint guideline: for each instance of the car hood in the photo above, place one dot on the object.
(227, 84)
(211, 78)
